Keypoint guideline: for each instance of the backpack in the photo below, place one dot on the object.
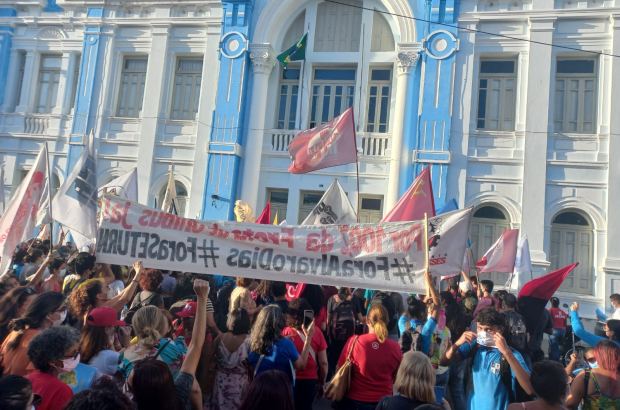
(141, 303)
(411, 339)
(382, 298)
(342, 320)
(516, 327)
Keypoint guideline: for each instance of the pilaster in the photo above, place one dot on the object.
(31, 69)
(63, 84)
(536, 127)
(151, 113)
(230, 137)
(6, 39)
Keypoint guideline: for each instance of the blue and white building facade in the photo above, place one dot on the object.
(518, 129)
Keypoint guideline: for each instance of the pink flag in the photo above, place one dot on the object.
(330, 144)
(501, 257)
(265, 217)
(417, 201)
(23, 212)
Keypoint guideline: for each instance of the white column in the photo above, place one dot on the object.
(263, 61)
(11, 92)
(29, 84)
(64, 85)
(612, 262)
(155, 81)
(535, 150)
(406, 61)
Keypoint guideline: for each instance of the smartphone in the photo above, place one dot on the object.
(308, 317)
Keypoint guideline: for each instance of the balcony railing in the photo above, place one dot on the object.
(374, 145)
(36, 124)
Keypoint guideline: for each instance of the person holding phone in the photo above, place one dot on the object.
(309, 382)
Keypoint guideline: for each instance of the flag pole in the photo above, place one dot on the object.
(49, 195)
(426, 242)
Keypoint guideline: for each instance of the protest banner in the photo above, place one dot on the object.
(386, 256)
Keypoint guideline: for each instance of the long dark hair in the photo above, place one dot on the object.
(94, 340)
(117, 271)
(269, 391)
(11, 301)
(35, 315)
(153, 386)
(184, 288)
(315, 296)
(15, 392)
(267, 329)
(456, 320)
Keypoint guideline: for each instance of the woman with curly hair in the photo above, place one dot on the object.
(269, 350)
(52, 352)
(46, 310)
(12, 306)
(96, 293)
(263, 293)
(150, 282)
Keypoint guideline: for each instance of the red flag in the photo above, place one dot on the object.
(330, 144)
(265, 217)
(501, 256)
(294, 292)
(545, 286)
(417, 201)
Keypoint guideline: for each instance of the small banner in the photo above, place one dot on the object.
(385, 256)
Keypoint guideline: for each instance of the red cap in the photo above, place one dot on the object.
(189, 310)
(103, 316)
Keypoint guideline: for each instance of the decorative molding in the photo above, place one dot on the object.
(406, 61)
(262, 61)
(51, 33)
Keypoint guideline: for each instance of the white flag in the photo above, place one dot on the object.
(334, 208)
(20, 218)
(125, 186)
(170, 203)
(75, 203)
(523, 262)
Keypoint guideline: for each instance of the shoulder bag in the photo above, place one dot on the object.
(339, 386)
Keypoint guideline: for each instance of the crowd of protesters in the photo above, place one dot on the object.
(79, 335)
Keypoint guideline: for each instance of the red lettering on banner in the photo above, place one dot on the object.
(274, 237)
(124, 213)
(287, 237)
(437, 261)
(368, 238)
(261, 236)
(355, 240)
(143, 220)
(379, 238)
(116, 214)
(320, 243)
(249, 234)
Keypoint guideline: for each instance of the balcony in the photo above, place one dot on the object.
(371, 144)
(36, 125)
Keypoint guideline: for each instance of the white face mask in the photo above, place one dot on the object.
(486, 339)
(62, 273)
(58, 322)
(69, 365)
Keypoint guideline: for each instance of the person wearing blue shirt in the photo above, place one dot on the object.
(269, 350)
(417, 314)
(612, 328)
(489, 392)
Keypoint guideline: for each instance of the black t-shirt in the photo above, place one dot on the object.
(283, 304)
(398, 403)
(537, 329)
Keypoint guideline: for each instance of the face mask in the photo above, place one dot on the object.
(58, 322)
(486, 339)
(68, 365)
(62, 273)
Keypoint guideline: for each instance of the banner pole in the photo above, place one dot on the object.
(426, 241)
(357, 167)
(49, 195)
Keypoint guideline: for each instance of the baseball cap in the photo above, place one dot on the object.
(466, 286)
(103, 316)
(189, 310)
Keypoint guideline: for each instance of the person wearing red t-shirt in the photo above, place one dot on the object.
(558, 316)
(308, 382)
(374, 360)
(52, 352)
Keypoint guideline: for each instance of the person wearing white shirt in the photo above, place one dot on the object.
(615, 302)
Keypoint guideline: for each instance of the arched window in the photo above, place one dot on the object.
(181, 197)
(382, 37)
(571, 241)
(487, 225)
(338, 26)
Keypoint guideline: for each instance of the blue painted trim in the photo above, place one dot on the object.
(82, 118)
(224, 162)
(52, 7)
(94, 13)
(6, 41)
(432, 156)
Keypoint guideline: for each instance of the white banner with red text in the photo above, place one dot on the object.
(383, 256)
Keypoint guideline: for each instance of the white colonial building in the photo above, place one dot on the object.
(509, 102)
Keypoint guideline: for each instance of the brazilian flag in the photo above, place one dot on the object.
(295, 53)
